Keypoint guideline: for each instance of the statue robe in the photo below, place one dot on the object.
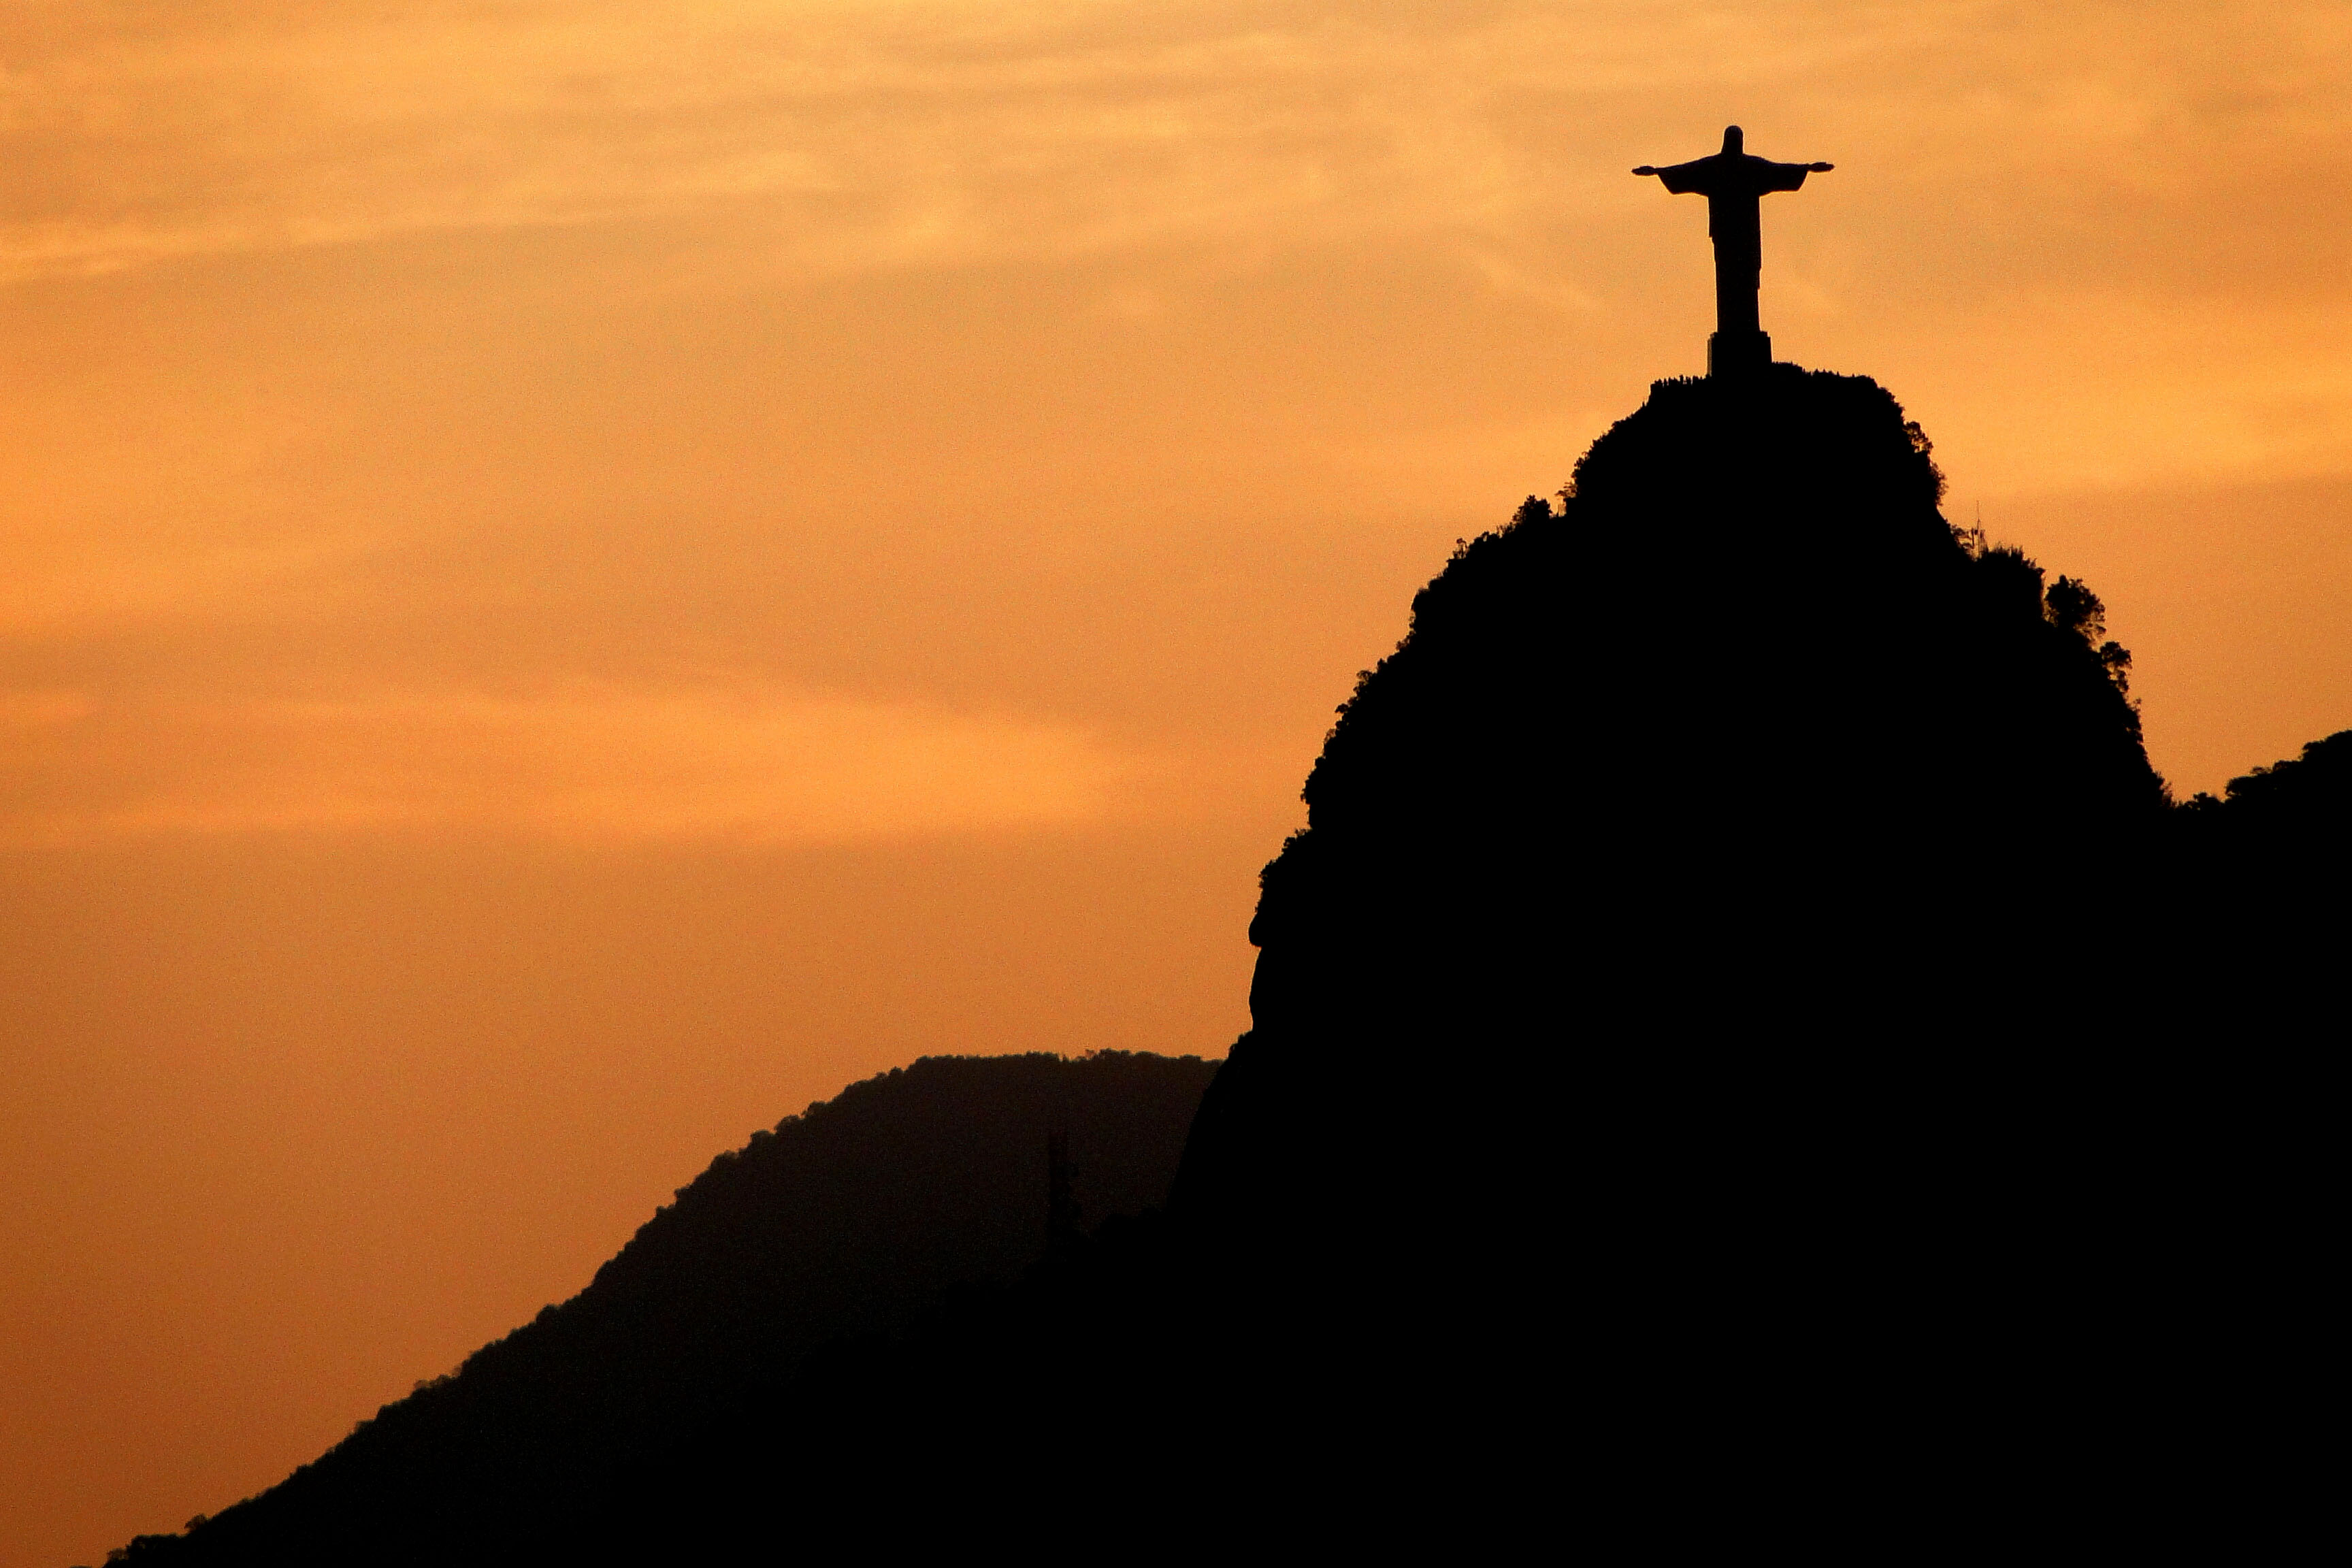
(1734, 185)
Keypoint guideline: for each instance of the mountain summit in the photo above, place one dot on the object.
(1736, 1058)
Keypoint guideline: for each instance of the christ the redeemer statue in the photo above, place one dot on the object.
(1734, 186)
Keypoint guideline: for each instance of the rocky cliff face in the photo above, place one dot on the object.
(1728, 739)
(1625, 1031)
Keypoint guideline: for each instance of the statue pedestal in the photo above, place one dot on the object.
(1738, 353)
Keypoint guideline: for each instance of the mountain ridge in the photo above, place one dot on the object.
(858, 1214)
(1742, 1007)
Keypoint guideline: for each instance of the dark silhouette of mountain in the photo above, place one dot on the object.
(2301, 807)
(2260, 875)
(1739, 1052)
(860, 1214)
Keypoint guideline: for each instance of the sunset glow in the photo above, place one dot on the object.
(574, 575)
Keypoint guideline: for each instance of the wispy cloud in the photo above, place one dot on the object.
(729, 763)
(883, 132)
(2091, 243)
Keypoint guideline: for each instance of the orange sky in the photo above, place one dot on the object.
(575, 574)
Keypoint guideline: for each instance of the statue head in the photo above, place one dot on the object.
(1734, 143)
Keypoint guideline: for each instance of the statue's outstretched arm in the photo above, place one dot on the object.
(1683, 178)
(1782, 176)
